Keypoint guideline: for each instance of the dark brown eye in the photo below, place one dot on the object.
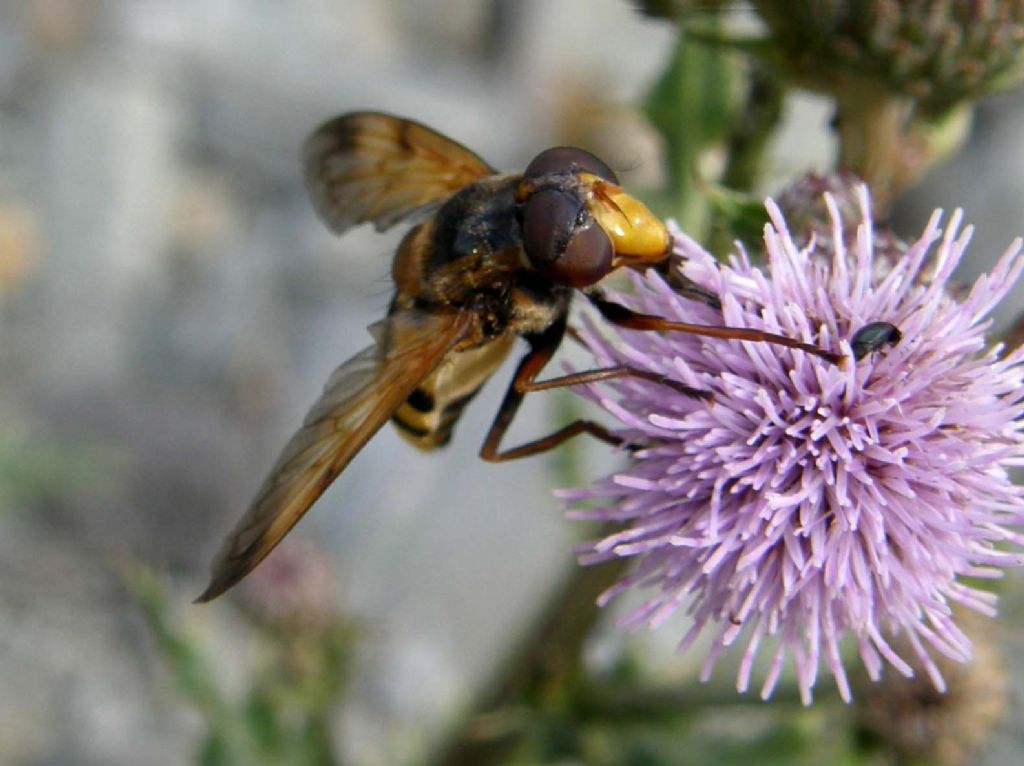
(563, 241)
(567, 159)
(549, 217)
(587, 257)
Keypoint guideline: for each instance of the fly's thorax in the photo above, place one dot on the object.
(471, 245)
(477, 222)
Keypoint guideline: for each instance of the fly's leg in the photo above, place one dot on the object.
(619, 315)
(542, 349)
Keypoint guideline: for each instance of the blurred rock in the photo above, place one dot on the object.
(19, 246)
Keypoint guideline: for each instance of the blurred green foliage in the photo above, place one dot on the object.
(39, 471)
(284, 717)
(619, 719)
(693, 105)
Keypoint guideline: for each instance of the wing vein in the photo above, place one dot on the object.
(358, 399)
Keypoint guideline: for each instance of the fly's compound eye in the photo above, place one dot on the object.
(560, 235)
(567, 159)
(562, 239)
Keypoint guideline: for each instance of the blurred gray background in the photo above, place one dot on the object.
(170, 306)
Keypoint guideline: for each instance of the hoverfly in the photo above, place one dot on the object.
(493, 256)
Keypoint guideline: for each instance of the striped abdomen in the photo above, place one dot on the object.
(429, 414)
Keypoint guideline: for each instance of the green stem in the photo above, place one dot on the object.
(748, 145)
(749, 141)
(693, 106)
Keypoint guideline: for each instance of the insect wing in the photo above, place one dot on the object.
(367, 166)
(358, 399)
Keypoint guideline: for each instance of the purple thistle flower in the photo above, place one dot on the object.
(812, 502)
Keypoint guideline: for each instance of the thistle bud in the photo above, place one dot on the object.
(921, 724)
(937, 52)
(903, 74)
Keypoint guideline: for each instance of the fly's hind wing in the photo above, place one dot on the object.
(368, 166)
(358, 399)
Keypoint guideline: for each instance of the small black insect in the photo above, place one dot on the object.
(872, 337)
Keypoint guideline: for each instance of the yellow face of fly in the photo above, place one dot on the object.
(639, 237)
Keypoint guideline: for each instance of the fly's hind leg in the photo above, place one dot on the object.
(542, 348)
